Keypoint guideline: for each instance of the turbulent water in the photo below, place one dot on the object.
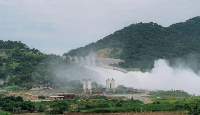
(162, 77)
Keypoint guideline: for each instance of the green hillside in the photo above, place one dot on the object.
(27, 68)
(143, 43)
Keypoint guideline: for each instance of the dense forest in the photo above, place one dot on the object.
(139, 45)
(27, 68)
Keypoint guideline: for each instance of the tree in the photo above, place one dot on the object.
(193, 107)
(59, 108)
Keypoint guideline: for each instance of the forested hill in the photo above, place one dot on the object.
(140, 44)
(24, 67)
(21, 65)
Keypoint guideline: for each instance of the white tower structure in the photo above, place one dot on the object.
(84, 86)
(87, 86)
(93, 61)
(110, 85)
(107, 85)
(113, 84)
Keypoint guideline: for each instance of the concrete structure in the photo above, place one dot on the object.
(64, 96)
(67, 96)
(90, 86)
(87, 60)
(107, 84)
(87, 86)
(81, 61)
(110, 85)
(57, 98)
(75, 59)
(93, 61)
(84, 86)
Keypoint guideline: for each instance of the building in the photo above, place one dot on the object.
(67, 96)
(57, 98)
(87, 86)
(63, 96)
(110, 85)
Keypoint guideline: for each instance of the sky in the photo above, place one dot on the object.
(57, 26)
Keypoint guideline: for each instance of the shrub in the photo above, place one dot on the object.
(147, 107)
(193, 107)
(16, 104)
(103, 106)
(59, 108)
(41, 108)
(4, 113)
(41, 97)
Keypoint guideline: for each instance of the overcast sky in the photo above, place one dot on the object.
(57, 26)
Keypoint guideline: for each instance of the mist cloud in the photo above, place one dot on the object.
(162, 77)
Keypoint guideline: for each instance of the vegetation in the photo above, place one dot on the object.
(139, 45)
(173, 93)
(12, 88)
(4, 113)
(25, 68)
(193, 107)
(20, 63)
(59, 108)
(182, 104)
(140, 108)
(41, 97)
(16, 104)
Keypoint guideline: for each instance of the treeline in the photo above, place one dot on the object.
(16, 105)
(28, 67)
(173, 93)
(21, 61)
(143, 43)
(119, 105)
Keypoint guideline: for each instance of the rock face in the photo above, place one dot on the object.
(104, 53)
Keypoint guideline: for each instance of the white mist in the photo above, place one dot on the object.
(162, 77)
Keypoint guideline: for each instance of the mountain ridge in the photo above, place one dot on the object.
(143, 43)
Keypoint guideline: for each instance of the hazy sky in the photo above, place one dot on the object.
(56, 26)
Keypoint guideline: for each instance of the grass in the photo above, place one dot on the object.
(138, 108)
(4, 113)
(13, 88)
